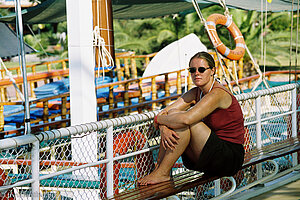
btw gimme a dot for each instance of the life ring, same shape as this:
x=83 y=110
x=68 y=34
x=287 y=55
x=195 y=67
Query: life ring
x=123 y=142
x=239 y=50
x=9 y=194
x=128 y=140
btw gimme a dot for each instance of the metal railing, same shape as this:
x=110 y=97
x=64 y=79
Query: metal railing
x=99 y=159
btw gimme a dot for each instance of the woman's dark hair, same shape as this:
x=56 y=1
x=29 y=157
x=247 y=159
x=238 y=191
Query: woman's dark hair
x=204 y=55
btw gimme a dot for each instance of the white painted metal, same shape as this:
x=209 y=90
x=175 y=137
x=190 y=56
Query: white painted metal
x=262 y=180
x=23 y=64
x=258 y=133
x=110 y=164
x=72 y=131
x=35 y=165
x=294 y=122
x=82 y=83
x=217 y=187
x=229 y=191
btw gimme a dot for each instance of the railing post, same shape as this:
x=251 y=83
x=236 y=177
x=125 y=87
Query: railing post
x=294 y=114
x=154 y=91
x=133 y=68
x=126 y=98
x=178 y=82
x=3 y=94
x=33 y=69
x=45 y=114
x=190 y=83
x=31 y=85
x=1 y=117
x=111 y=99
x=119 y=72
x=49 y=67
x=35 y=170
x=241 y=68
x=217 y=187
x=64 y=109
x=64 y=65
x=258 y=132
x=110 y=164
x=167 y=88
x=294 y=121
x=126 y=68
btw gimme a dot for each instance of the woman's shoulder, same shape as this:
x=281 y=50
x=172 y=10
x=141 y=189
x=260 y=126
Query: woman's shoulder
x=193 y=91
x=191 y=95
x=221 y=87
x=223 y=95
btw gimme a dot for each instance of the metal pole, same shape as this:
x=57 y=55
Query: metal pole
x=110 y=164
x=258 y=133
x=35 y=166
x=23 y=63
x=294 y=122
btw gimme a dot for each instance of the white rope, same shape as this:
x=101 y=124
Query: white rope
x=236 y=74
x=223 y=4
x=265 y=41
x=291 y=41
x=262 y=30
x=104 y=56
x=297 y=37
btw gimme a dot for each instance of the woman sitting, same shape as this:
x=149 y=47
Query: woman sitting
x=205 y=126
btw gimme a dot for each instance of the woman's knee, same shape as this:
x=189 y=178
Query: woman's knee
x=199 y=133
x=199 y=128
x=173 y=110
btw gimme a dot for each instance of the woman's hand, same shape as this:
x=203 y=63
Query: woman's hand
x=155 y=124
x=168 y=137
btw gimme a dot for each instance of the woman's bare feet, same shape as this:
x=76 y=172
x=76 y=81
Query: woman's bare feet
x=154 y=178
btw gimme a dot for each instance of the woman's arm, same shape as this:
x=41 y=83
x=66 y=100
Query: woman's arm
x=184 y=102
x=168 y=136
x=217 y=98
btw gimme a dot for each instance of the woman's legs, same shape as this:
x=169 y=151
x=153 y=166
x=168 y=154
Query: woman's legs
x=199 y=135
x=191 y=141
x=161 y=154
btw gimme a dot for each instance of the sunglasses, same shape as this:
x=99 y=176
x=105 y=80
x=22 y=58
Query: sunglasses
x=200 y=69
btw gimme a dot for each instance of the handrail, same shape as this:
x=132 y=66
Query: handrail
x=45 y=116
x=60 y=139
x=32 y=67
x=37 y=76
x=135 y=88
x=268 y=74
x=127 y=89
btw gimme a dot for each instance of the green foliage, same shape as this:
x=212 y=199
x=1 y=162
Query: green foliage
x=146 y=36
x=151 y=35
x=48 y=39
x=4 y=12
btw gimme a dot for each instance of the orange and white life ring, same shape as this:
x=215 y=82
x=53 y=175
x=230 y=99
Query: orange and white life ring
x=239 y=50
x=128 y=140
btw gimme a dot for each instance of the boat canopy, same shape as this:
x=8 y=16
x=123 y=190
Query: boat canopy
x=54 y=11
x=9 y=42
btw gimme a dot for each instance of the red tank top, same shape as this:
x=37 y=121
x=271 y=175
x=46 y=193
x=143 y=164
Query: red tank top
x=228 y=124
